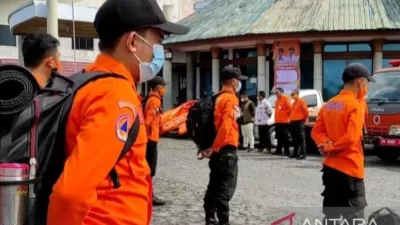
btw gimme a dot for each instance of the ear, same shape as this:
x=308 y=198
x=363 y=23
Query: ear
x=131 y=41
x=51 y=62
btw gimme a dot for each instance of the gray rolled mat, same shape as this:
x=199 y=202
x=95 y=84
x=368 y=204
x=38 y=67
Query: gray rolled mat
x=18 y=88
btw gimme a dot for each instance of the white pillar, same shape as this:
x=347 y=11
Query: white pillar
x=189 y=76
x=230 y=55
x=167 y=75
x=19 y=46
x=215 y=69
x=267 y=76
x=197 y=77
x=318 y=66
x=261 y=66
x=215 y=75
x=52 y=17
x=167 y=69
x=378 y=56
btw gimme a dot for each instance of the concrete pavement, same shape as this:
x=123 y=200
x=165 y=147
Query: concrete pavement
x=269 y=187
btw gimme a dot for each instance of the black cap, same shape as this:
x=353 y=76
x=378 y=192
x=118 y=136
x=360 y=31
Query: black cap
x=356 y=70
x=116 y=17
x=232 y=72
x=157 y=81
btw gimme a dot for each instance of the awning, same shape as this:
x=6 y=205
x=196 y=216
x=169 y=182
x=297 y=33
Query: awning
x=31 y=18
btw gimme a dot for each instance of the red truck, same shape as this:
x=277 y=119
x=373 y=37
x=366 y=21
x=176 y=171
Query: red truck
x=383 y=122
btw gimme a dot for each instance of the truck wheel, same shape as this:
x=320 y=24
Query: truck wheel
x=272 y=136
x=387 y=154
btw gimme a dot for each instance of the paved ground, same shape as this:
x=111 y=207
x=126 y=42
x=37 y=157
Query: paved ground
x=269 y=187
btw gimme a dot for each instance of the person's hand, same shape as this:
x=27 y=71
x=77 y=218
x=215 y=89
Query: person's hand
x=207 y=153
x=200 y=156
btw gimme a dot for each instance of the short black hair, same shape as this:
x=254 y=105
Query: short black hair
x=291 y=49
x=110 y=43
x=280 y=89
x=244 y=94
x=281 y=50
x=36 y=47
x=261 y=93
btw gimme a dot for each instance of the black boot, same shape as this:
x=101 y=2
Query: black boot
x=211 y=219
x=158 y=202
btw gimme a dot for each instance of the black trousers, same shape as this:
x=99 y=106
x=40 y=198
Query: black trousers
x=263 y=133
x=343 y=196
x=222 y=184
x=151 y=156
x=282 y=135
x=240 y=136
x=297 y=130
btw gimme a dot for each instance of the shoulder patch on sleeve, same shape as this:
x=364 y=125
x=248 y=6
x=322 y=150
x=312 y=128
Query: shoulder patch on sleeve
x=126 y=104
x=122 y=126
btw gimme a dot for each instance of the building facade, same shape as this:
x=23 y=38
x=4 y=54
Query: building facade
x=86 y=47
x=243 y=33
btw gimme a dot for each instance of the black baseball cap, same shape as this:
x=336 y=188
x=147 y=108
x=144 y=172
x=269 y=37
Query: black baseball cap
x=232 y=72
x=356 y=70
x=116 y=17
x=156 y=81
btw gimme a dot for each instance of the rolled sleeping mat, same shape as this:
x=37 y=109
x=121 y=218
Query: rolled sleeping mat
x=18 y=87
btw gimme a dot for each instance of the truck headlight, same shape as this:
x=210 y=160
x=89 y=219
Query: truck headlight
x=394 y=130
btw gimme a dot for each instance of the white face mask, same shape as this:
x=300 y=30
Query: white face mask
x=148 y=70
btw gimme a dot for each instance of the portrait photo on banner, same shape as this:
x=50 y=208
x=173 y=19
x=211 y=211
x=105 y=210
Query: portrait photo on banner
x=286 y=65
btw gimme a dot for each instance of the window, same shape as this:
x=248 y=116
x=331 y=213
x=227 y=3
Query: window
x=332 y=75
x=311 y=100
x=385 y=63
x=249 y=85
x=365 y=47
x=6 y=37
x=391 y=47
x=225 y=54
x=357 y=47
x=244 y=53
x=205 y=56
x=83 y=43
x=335 y=48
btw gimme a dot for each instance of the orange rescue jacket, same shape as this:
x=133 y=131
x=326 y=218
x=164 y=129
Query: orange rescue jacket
x=101 y=115
x=226 y=113
x=152 y=115
x=282 y=109
x=299 y=110
x=340 y=121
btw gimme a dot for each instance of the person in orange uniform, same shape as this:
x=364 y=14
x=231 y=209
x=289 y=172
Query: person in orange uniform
x=298 y=118
x=152 y=115
x=223 y=153
x=102 y=113
x=41 y=56
x=282 y=114
x=337 y=133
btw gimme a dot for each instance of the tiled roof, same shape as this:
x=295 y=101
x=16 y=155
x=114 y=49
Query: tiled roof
x=227 y=18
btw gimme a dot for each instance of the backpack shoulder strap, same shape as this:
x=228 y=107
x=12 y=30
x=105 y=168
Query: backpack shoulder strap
x=79 y=80
x=82 y=78
x=132 y=135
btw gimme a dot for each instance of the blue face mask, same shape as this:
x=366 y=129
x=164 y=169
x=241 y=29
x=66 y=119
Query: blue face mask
x=239 y=87
x=148 y=70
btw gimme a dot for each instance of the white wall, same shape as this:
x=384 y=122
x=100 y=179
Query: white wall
x=182 y=8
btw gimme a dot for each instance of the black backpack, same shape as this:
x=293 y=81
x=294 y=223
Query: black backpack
x=200 y=122
x=388 y=218
x=35 y=133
